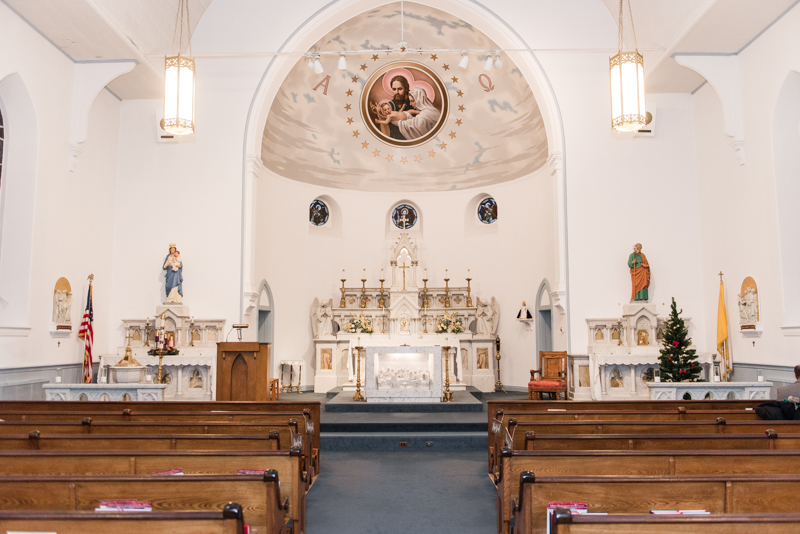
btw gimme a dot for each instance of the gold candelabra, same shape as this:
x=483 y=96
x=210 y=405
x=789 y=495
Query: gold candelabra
x=381 y=302
x=425 y=303
x=448 y=395
x=358 y=396
x=446 y=293
x=498 y=386
x=161 y=353
x=342 y=303
x=363 y=293
x=469 y=298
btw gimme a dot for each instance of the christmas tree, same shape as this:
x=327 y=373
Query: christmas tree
x=678 y=362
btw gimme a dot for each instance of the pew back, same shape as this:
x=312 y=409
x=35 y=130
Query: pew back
x=565 y=523
x=164 y=442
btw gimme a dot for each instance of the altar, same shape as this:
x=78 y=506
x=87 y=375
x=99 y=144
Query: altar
x=188 y=375
x=407 y=313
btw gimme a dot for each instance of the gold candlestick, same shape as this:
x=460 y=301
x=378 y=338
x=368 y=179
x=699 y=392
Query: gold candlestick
x=448 y=395
x=363 y=293
x=498 y=386
x=381 y=302
x=342 y=303
x=146 y=332
x=161 y=353
x=424 y=324
x=425 y=303
x=358 y=396
x=469 y=298
x=446 y=293
x=191 y=332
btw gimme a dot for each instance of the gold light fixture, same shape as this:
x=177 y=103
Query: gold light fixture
x=179 y=80
x=627 y=84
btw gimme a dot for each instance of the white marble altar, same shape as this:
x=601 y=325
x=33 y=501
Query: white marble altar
x=710 y=390
x=403 y=374
x=405 y=314
x=104 y=392
x=623 y=356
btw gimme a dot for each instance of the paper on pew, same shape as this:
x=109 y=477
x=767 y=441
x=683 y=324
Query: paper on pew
x=170 y=472
x=574 y=507
x=124 y=505
x=680 y=512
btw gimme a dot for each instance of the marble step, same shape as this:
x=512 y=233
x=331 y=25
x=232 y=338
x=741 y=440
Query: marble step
x=393 y=441
x=403 y=426
x=464 y=401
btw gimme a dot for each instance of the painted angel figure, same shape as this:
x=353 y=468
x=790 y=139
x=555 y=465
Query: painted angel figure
x=322 y=318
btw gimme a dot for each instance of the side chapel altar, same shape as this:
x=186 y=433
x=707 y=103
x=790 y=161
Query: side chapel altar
x=402 y=319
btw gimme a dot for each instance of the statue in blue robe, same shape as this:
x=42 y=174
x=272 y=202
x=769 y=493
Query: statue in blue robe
x=173 y=276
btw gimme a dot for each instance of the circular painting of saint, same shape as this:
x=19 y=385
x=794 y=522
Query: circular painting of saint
x=404 y=103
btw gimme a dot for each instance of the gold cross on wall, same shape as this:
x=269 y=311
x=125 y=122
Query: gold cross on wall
x=404 y=267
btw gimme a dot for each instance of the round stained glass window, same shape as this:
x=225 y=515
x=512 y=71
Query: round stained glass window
x=487 y=211
x=318 y=213
x=404 y=216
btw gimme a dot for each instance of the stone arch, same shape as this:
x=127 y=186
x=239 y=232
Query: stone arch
x=17 y=204
x=786 y=157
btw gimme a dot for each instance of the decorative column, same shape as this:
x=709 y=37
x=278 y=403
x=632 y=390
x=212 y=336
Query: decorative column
x=253 y=169
x=559 y=288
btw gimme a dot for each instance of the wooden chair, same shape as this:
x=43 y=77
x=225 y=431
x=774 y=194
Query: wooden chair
x=552 y=376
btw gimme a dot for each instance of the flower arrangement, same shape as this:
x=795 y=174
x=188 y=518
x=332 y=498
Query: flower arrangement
x=358 y=323
x=449 y=322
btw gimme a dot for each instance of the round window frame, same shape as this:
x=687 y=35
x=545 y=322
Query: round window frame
x=327 y=213
x=480 y=205
x=399 y=207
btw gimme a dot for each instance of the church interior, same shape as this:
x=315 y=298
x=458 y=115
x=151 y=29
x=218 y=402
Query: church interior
x=454 y=266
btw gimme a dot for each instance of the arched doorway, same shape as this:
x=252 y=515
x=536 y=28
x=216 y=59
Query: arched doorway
x=266 y=315
x=544 y=318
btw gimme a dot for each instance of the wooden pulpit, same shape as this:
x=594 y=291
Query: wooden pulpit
x=243 y=371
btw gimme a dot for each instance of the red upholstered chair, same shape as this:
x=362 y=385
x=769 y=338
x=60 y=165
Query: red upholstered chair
x=552 y=376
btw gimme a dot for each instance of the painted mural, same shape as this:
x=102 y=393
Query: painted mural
x=404 y=121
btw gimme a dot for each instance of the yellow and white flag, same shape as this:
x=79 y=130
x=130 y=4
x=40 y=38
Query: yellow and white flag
x=722 y=334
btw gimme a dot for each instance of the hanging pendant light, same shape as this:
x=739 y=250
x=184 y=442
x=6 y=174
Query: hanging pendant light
x=627 y=84
x=342 y=63
x=488 y=65
x=179 y=81
x=464 y=60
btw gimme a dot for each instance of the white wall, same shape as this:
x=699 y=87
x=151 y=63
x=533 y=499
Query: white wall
x=740 y=232
x=73 y=217
x=507 y=260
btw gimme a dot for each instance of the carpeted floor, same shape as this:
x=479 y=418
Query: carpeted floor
x=402 y=492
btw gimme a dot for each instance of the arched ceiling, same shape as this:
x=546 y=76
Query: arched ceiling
x=480 y=128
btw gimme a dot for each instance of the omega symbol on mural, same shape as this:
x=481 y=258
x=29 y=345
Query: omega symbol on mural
x=404 y=104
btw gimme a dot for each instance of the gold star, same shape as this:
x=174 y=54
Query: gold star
x=349 y=92
x=374 y=57
x=461 y=108
x=443 y=145
x=404 y=160
x=452 y=135
x=460 y=93
x=376 y=153
x=364 y=144
x=431 y=154
x=458 y=122
x=349 y=120
x=433 y=57
x=389 y=158
x=347 y=107
x=355 y=79
x=455 y=80
x=355 y=133
x=446 y=66
x=418 y=158
x=363 y=67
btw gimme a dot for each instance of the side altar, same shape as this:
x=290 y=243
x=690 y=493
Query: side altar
x=404 y=313
x=188 y=375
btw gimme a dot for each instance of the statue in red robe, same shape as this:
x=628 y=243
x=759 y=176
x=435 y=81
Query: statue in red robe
x=640 y=274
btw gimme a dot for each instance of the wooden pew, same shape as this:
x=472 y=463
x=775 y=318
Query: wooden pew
x=291 y=433
x=230 y=520
x=135 y=462
x=639 y=463
x=565 y=523
x=263 y=498
x=188 y=407
x=163 y=442
x=732 y=494
x=616 y=442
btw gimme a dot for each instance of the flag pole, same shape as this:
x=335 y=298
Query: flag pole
x=88 y=300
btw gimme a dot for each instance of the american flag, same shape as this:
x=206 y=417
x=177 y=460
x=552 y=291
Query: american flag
x=86 y=333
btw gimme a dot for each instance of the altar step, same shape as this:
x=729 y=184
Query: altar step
x=398 y=441
x=463 y=401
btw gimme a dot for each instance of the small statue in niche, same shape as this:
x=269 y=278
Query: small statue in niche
x=62 y=302
x=196 y=381
x=598 y=335
x=616 y=379
x=640 y=274
x=173 y=278
x=748 y=302
x=524 y=313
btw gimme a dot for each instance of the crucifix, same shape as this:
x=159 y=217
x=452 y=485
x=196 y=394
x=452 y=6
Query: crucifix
x=404 y=267
x=404 y=221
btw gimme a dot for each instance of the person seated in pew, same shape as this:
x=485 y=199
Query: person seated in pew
x=792 y=390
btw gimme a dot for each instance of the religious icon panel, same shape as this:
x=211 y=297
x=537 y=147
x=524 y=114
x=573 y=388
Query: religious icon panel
x=318 y=213
x=487 y=211
x=404 y=216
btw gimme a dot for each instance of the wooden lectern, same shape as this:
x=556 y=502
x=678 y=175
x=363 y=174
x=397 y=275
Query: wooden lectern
x=243 y=371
